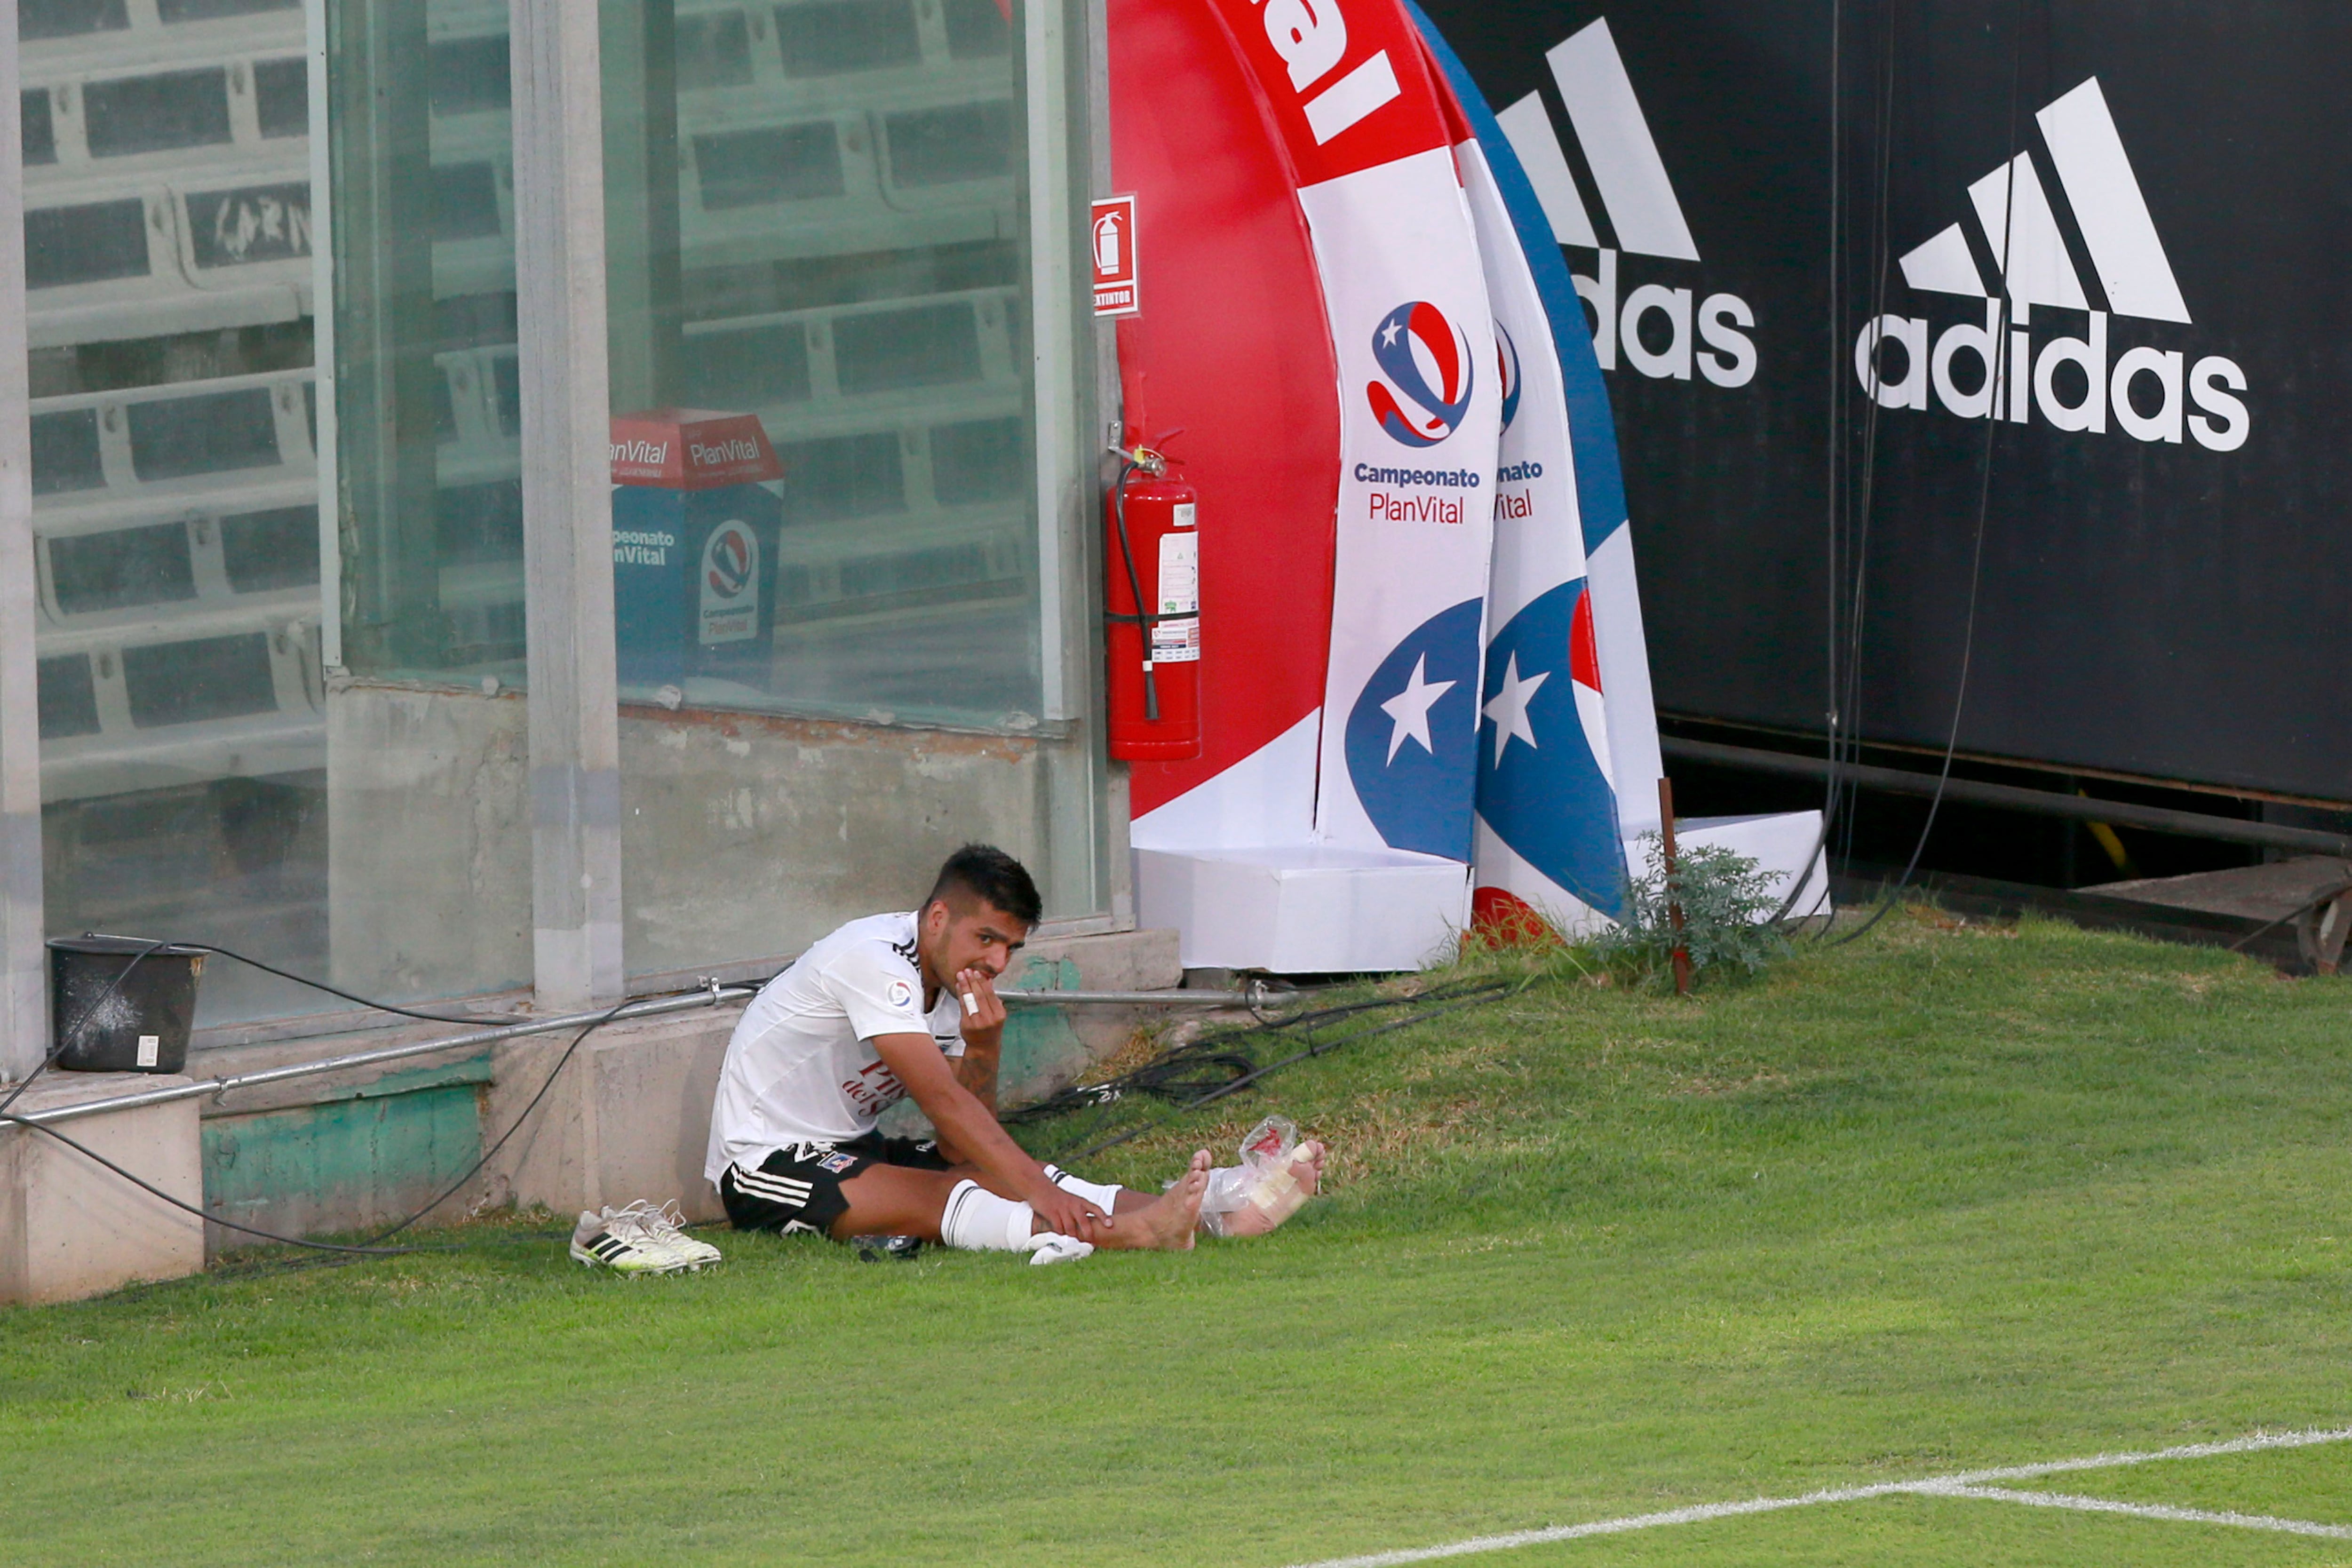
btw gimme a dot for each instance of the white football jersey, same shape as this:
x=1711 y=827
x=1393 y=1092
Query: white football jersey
x=801 y=1068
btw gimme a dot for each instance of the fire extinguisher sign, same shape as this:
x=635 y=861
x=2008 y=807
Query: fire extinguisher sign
x=1113 y=238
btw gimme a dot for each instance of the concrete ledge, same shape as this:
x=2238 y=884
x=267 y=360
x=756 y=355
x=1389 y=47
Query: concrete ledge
x=1119 y=960
x=227 y=1061
x=1047 y=1049
x=70 y=1227
x=629 y=1117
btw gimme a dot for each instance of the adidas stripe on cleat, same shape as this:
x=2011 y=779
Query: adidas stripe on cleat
x=638 y=1239
x=594 y=1243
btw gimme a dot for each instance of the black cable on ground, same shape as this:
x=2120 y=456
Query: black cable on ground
x=66 y=1037
x=1190 y=1076
x=1210 y=1064
x=524 y=1115
x=1493 y=991
x=149 y=1187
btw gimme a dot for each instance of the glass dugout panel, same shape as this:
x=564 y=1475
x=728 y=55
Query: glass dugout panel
x=430 y=417
x=429 y=746
x=197 y=780
x=818 y=218
x=168 y=265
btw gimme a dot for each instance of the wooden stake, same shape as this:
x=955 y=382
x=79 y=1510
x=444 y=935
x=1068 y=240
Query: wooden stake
x=1673 y=904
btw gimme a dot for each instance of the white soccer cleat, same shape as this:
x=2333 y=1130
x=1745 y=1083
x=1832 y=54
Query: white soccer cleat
x=666 y=1227
x=638 y=1239
x=617 y=1241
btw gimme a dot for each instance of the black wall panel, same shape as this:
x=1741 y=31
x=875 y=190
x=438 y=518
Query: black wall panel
x=2151 y=605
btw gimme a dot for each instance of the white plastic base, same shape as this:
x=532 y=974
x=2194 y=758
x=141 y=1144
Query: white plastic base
x=1304 y=908
x=1780 y=844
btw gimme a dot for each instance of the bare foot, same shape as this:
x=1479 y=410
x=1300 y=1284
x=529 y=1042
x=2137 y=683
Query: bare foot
x=1166 y=1223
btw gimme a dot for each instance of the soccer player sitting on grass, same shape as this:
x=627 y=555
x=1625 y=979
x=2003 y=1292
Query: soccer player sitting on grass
x=906 y=1004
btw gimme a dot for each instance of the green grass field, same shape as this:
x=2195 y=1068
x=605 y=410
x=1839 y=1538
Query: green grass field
x=1951 y=1197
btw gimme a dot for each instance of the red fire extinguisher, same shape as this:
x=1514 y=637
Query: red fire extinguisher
x=1153 y=602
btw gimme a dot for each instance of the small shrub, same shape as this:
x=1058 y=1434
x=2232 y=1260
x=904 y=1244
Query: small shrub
x=1726 y=906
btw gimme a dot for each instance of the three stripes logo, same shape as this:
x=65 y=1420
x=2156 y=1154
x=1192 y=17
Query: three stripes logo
x=1663 y=334
x=2015 y=256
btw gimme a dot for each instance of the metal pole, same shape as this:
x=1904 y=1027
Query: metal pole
x=224 y=1084
x=567 y=501
x=1673 y=896
x=1053 y=286
x=1899 y=781
x=654 y=1008
x=322 y=337
x=24 y=997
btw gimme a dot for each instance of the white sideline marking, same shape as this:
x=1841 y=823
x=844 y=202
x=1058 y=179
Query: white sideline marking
x=2151 y=1510
x=1953 y=1484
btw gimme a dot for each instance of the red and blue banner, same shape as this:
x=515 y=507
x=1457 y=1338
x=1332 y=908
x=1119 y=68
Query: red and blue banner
x=1381 y=403
x=1548 y=843
x=1366 y=129
x=1612 y=593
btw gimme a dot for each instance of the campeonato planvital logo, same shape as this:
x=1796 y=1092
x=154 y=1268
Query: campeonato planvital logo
x=1662 y=332
x=2080 y=384
x=731 y=559
x=1426 y=381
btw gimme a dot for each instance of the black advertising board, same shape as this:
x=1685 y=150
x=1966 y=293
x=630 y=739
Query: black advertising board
x=2165 y=186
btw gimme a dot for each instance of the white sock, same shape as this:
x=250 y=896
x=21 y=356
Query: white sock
x=978 y=1221
x=1097 y=1193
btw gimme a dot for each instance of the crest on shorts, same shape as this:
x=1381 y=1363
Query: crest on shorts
x=838 y=1164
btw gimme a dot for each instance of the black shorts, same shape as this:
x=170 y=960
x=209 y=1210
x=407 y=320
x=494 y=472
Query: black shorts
x=799 y=1189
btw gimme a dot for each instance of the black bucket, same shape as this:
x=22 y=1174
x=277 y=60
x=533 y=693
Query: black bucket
x=119 y=1007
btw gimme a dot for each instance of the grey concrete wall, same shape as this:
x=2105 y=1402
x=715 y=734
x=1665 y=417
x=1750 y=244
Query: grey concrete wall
x=627 y=1119
x=743 y=836
x=428 y=840
x=70 y=1227
x=746 y=836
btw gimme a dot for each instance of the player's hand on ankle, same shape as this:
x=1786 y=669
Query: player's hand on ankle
x=1067 y=1213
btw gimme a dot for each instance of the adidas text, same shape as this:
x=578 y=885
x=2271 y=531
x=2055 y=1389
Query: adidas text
x=1660 y=327
x=2079 y=383
x=2008 y=255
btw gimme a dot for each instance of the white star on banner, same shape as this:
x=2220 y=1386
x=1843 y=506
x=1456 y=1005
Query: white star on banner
x=1389 y=331
x=1508 y=708
x=1410 y=708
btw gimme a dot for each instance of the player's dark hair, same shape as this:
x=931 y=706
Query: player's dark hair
x=983 y=871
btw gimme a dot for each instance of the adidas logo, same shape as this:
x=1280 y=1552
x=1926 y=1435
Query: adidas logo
x=1656 y=323
x=2018 y=243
